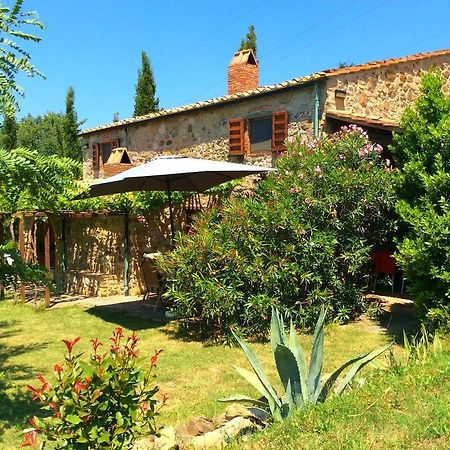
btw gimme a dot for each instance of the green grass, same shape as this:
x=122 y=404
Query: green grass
x=194 y=375
x=406 y=408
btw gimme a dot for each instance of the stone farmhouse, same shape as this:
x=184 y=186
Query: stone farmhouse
x=252 y=122
x=101 y=254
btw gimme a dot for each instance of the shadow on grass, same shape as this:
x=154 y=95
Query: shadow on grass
x=131 y=315
x=398 y=318
x=16 y=405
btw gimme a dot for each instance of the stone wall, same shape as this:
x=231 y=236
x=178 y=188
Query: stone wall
x=383 y=92
x=202 y=133
x=95 y=250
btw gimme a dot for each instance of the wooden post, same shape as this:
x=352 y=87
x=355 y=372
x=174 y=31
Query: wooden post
x=22 y=251
x=47 y=257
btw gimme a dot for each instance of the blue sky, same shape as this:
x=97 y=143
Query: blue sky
x=95 y=45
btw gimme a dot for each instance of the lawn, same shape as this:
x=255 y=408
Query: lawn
x=193 y=374
x=406 y=408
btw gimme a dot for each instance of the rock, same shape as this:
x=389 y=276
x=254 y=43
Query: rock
x=197 y=425
x=166 y=440
x=237 y=426
x=236 y=410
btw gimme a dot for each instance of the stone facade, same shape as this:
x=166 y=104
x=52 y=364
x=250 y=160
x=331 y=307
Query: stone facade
x=381 y=92
x=201 y=133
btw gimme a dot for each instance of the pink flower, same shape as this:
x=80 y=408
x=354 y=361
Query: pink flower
x=342 y=157
x=388 y=162
x=318 y=171
x=378 y=148
x=294 y=190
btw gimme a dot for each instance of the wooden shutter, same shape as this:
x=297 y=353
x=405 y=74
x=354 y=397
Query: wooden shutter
x=279 y=130
x=114 y=144
x=96 y=157
x=237 y=130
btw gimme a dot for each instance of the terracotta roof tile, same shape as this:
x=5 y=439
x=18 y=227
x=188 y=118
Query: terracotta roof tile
x=271 y=88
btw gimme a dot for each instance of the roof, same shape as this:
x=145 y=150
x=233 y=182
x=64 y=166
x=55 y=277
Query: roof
x=261 y=90
x=364 y=121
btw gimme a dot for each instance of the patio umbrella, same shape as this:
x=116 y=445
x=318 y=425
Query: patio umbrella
x=173 y=173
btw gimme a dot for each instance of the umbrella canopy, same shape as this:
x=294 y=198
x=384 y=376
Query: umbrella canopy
x=173 y=173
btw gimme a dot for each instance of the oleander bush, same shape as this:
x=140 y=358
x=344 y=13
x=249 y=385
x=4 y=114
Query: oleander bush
x=300 y=242
x=105 y=402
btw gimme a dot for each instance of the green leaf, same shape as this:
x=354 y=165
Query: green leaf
x=288 y=371
x=277 y=334
x=119 y=418
x=87 y=368
x=75 y=420
x=357 y=367
x=316 y=363
x=299 y=354
x=268 y=390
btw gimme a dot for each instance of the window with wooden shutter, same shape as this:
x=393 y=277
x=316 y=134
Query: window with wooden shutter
x=279 y=130
x=95 y=156
x=106 y=148
x=236 y=137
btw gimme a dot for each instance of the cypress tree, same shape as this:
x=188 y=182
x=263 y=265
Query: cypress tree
x=249 y=41
x=145 y=101
x=9 y=132
x=71 y=143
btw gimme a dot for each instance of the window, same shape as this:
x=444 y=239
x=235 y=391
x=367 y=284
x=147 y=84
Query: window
x=260 y=134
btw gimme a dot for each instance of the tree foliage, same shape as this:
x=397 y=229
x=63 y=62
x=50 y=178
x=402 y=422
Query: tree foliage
x=13 y=58
x=422 y=152
x=302 y=241
x=145 y=100
x=30 y=180
x=249 y=41
x=71 y=142
x=8 y=136
x=45 y=134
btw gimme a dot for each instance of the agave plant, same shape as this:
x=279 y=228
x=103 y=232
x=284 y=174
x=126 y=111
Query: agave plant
x=303 y=386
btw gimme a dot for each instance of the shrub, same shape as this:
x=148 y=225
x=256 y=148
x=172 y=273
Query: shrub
x=301 y=241
x=105 y=402
x=422 y=152
x=303 y=386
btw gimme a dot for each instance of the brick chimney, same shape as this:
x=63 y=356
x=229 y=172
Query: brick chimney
x=243 y=72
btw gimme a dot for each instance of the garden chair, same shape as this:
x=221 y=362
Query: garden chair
x=384 y=262
x=153 y=280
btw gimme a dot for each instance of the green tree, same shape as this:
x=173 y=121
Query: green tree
x=13 y=59
x=45 y=134
x=249 y=41
x=9 y=132
x=422 y=152
x=72 y=144
x=145 y=101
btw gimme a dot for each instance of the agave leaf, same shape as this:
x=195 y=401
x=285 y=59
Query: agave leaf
x=277 y=335
x=287 y=398
x=335 y=375
x=269 y=392
x=244 y=399
x=358 y=366
x=288 y=371
x=299 y=354
x=316 y=363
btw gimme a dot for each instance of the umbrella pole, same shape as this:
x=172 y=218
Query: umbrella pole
x=172 y=226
